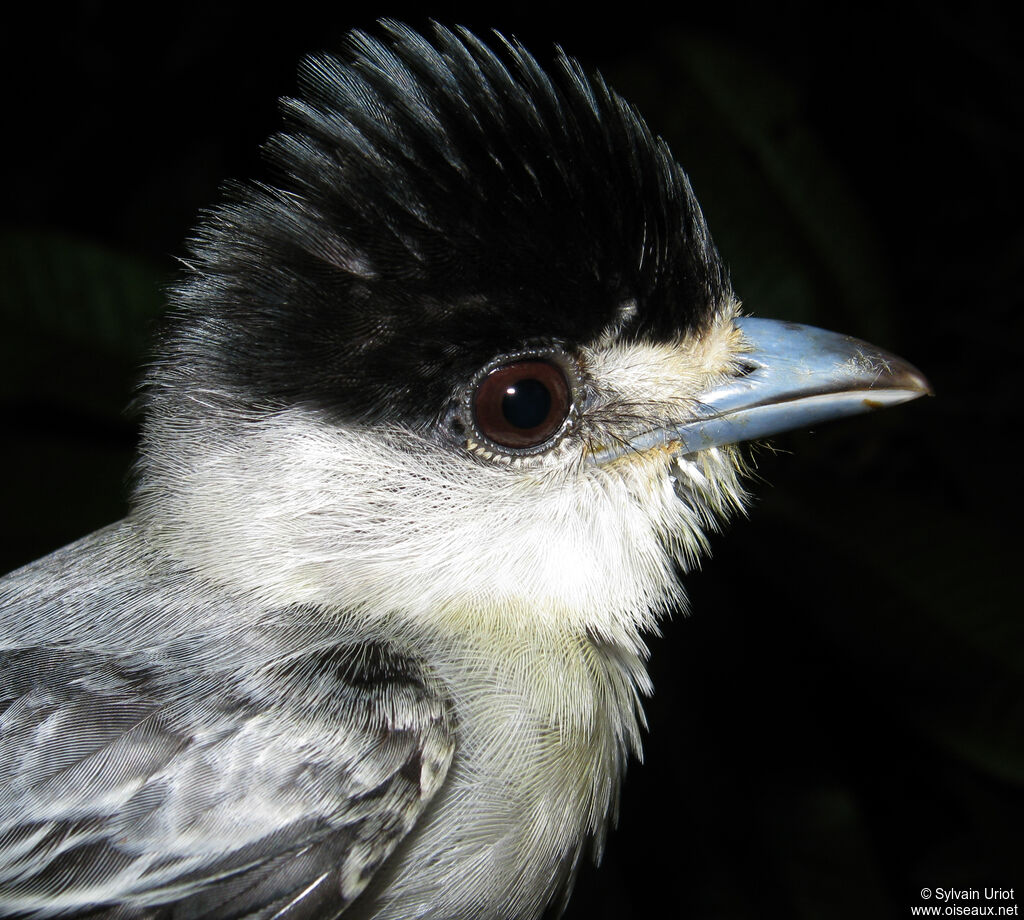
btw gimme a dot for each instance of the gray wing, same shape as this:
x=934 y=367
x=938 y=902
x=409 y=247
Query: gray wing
x=155 y=775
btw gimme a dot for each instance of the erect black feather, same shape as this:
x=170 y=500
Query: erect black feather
x=436 y=202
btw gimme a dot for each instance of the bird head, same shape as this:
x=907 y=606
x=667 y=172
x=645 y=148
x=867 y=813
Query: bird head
x=469 y=356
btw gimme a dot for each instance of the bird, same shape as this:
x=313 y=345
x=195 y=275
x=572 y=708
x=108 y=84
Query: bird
x=443 y=408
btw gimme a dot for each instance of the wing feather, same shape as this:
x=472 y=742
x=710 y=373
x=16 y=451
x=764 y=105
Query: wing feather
x=208 y=771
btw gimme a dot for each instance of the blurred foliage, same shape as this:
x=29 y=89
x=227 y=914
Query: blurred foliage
x=840 y=721
x=76 y=321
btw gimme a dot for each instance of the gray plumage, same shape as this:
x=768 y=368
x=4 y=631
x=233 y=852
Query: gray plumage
x=141 y=758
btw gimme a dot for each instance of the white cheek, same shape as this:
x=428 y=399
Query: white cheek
x=297 y=512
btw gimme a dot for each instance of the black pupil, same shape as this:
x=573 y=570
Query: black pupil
x=526 y=403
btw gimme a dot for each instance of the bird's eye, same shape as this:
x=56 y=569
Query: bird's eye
x=522 y=405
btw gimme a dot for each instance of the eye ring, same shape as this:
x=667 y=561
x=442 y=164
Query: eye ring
x=523 y=403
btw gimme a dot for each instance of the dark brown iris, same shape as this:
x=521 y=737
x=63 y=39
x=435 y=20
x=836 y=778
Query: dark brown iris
x=522 y=405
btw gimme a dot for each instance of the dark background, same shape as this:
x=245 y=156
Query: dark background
x=838 y=724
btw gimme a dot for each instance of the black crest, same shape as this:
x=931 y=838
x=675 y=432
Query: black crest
x=435 y=202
